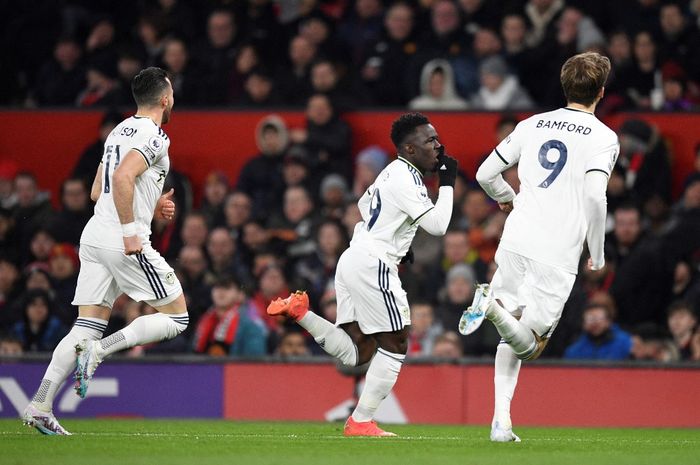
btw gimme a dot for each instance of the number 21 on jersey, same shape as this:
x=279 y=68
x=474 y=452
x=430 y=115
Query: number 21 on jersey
x=109 y=151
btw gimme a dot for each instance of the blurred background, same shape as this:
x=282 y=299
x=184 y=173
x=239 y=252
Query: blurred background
x=281 y=120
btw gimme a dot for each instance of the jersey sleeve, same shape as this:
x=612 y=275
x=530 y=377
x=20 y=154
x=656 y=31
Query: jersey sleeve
x=509 y=149
x=151 y=144
x=604 y=158
x=412 y=198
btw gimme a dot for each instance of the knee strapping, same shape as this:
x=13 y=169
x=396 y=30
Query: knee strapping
x=181 y=320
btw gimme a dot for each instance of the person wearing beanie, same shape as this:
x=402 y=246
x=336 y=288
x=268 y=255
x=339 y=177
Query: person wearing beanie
x=500 y=89
x=368 y=163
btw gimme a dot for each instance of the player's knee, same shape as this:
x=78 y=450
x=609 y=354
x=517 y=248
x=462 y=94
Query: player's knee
x=180 y=323
x=535 y=352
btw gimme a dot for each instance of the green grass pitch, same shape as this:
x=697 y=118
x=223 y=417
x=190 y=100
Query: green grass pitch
x=174 y=442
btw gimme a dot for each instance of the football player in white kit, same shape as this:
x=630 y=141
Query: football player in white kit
x=115 y=251
x=373 y=313
x=564 y=159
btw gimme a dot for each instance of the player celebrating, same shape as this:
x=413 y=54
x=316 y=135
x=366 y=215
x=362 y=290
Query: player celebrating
x=115 y=252
x=373 y=312
x=565 y=158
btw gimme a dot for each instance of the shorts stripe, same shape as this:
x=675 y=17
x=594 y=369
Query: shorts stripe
x=157 y=278
x=392 y=301
x=389 y=298
x=156 y=291
x=381 y=288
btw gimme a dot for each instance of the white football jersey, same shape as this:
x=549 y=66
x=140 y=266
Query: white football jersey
x=397 y=200
x=554 y=150
x=144 y=136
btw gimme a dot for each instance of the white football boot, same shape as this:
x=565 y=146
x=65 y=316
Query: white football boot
x=501 y=434
x=44 y=422
x=87 y=362
x=474 y=315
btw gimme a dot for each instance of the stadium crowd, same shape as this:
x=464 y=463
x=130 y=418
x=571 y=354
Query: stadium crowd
x=283 y=222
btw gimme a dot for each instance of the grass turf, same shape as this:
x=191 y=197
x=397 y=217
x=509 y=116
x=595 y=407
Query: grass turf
x=173 y=442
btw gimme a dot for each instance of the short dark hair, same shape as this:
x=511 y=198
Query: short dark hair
x=148 y=86
x=405 y=125
x=680 y=306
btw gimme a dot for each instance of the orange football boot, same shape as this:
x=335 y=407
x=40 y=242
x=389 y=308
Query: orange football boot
x=364 y=428
x=295 y=306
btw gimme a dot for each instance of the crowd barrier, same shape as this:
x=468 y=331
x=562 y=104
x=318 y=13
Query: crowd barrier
x=48 y=143
x=549 y=394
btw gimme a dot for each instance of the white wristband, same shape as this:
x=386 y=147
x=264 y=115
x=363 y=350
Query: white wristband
x=129 y=229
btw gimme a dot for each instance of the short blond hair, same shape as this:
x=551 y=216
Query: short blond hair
x=582 y=77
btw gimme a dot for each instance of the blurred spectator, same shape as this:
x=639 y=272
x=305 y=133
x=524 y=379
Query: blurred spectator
x=272 y=284
x=231 y=326
x=650 y=343
x=151 y=33
x=319 y=30
x=499 y=89
x=292 y=344
x=484 y=224
x=361 y=26
x=36 y=276
x=295 y=225
x=183 y=75
x=237 y=211
x=260 y=90
x=479 y=14
x=386 y=60
x=8 y=239
x=326 y=136
x=61 y=79
x=128 y=66
x=100 y=48
x=39 y=330
x=543 y=16
x=438 y=91
x=224 y=258
x=9 y=291
x=683 y=326
x=194 y=230
x=424 y=330
x=102 y=88
x=216 y=55
x=456 y=249
x=33 y=209
x=675 y=89
x=295 y=82
x=680 y=39
x=89 y=161
x=8 y=171
x=196 y=280
x=316 y=271
x=456 y=295
x=515 y=51
x=216 y=187
x=447 y=346
x=297 y=171
x=601 y=339
x=641 y=81
x=343 y=92
x=645 y=161
x=247 y=60
x=351 y=218
x=10 y=346
x=261 y=175
x=77 y=209
x=40 y=246
x=64 y=265
x=333 y=194
x=369 y=162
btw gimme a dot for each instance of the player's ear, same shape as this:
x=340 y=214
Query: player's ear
x=409 y=149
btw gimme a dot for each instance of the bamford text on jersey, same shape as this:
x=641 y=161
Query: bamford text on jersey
x=564 y=126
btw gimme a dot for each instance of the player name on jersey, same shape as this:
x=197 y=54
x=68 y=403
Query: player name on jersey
x=563 y=126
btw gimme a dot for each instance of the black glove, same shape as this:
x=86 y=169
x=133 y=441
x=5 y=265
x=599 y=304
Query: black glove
x=408 y=258
x=446 y=168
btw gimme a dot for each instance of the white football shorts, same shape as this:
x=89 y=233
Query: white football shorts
x=105 y=274
x=369 y=291
x=531 y=290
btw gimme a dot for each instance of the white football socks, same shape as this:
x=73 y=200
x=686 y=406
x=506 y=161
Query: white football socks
x=144 y=330
x=519 y=336
x=507 y=367
x=63 y=359
x=380 y=379
x=332 y=339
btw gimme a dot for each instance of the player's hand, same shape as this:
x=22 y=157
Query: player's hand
x=506 y=206
x=446 y=168
x=595 y=267
x=132 y=245
x=165 y=207
x=408 y=258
